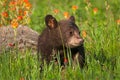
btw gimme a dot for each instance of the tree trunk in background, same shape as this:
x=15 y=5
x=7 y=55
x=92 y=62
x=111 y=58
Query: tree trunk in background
x=21 y=38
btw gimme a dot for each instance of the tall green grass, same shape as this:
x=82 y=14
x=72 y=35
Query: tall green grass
x=102 y=43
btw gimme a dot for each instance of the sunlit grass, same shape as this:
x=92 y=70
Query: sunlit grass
x=100 y=27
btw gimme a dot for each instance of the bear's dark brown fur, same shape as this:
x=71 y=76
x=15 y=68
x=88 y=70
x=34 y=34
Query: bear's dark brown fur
x=58 y=37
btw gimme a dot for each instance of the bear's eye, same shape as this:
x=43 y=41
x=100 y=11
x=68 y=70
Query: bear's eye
x=71 y=33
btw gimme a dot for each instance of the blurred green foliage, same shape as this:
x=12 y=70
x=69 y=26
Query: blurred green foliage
x=100 y=19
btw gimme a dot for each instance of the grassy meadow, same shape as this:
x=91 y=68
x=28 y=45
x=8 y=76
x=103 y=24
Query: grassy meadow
x=99 y=23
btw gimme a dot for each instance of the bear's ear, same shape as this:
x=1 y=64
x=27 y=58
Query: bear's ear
x=72 y=18
x=50 y=21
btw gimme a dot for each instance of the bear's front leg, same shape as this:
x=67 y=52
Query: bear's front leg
x=79 y=57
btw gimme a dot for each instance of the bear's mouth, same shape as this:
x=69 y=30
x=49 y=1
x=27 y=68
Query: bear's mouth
x=73 y=45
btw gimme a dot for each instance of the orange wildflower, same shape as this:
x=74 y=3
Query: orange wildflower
x=19 y=17
x=22 y=78
x=74 y=7
x=65 y=60
x=66 y=15
x=13 y=3
x=25 y=13
x=118 y=21
x=56 y=11
x=28 y=5
x=11 y=44
x=14 y=23
x=5 y=14
x=26 y=1
x=84 y=34
x=95 y=10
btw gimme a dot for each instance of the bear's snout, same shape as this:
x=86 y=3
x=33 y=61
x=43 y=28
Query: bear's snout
x=81 y=41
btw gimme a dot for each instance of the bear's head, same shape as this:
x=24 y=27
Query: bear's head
x=65 y=30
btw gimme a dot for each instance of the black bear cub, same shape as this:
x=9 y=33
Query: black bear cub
x=59 y=37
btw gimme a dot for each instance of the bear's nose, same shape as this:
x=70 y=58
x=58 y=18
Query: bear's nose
x=81 y=40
